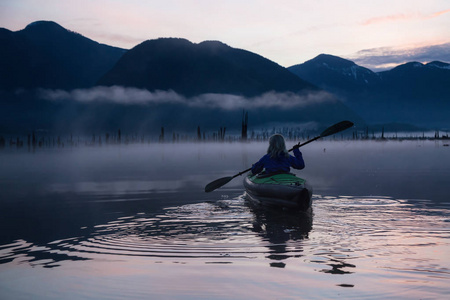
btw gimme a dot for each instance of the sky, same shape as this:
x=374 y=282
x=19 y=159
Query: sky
x=377 y=34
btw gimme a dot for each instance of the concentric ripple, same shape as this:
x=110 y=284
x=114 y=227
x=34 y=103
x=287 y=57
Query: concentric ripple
x=350 y=235
x=221 y=232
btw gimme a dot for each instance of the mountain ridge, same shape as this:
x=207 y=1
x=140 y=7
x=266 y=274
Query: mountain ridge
x=46 y=55
x=413 y=92
x=210 y=69
x=207 y=67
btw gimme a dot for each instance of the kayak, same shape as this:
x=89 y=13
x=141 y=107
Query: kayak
x=285 y=190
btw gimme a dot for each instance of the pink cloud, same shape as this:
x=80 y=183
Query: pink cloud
x=391 y=18
x=439 y=13
x=404 y=17
x=380 y=59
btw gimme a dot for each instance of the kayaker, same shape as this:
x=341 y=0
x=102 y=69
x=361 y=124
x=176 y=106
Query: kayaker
x=278 y=160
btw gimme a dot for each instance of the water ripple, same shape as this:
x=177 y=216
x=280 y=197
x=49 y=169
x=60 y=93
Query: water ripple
x=350 y=235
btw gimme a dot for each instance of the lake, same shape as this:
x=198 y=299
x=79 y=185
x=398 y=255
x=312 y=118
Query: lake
x=133 y=222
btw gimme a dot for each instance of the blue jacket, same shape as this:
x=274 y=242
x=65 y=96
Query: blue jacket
x=281 y=164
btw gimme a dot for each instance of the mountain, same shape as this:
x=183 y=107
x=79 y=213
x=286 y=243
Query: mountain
x=208 y=67
x=206 y=84
x=335 y=74
x=413 y=93
x=46 y=55
x=418 y=81
x=212 y=67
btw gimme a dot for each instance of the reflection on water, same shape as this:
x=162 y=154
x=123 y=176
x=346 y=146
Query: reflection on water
x=363 y=239
x=103 y=225
x=218 y=232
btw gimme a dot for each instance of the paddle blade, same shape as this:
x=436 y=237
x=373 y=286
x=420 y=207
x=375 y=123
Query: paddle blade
x=217 y=184
x=338 y=127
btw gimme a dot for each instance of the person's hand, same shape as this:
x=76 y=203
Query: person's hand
x=296 y=146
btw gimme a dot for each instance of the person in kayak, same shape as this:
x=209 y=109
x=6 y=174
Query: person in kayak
x=277 y=160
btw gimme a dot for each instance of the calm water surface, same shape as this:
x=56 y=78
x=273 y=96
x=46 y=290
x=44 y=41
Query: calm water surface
x=132 y=222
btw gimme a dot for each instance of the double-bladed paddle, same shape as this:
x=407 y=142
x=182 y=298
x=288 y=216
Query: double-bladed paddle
x=338 y=127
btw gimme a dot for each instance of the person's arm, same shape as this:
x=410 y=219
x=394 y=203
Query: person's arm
x=297 y=161
x=258 y=167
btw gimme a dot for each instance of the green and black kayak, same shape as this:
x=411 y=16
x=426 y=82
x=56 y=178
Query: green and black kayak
x=286 y=190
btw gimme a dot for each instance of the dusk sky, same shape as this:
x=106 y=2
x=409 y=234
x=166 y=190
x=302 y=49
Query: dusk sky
x=375 y=34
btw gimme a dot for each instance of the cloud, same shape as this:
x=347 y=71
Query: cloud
x=439 y=13
x=135 y=96
x=390 y=18
x=379 y=59
x=114 y=94
x=404 y=17
x=268 y=100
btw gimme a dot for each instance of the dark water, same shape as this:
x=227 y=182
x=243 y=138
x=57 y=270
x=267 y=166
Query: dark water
x=133 y=223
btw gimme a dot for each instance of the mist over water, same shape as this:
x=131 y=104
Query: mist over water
x=133 y=221
x=408 y=169
x=129 y=96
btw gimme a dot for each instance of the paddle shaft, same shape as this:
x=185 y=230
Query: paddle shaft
x=299 y=145
x=338 y=127
x=307 y=142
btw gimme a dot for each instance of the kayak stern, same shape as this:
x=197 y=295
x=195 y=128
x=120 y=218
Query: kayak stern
x=285 y=190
